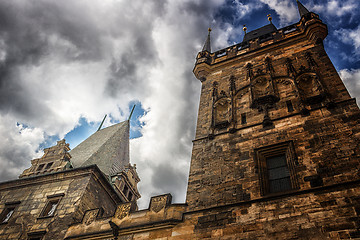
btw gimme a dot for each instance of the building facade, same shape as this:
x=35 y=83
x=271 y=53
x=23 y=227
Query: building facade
x=276 y=156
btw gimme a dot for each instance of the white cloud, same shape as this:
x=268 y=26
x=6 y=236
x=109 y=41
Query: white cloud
x=350 y=36
x=18 y=143
x=336 y=7
x=286 y=10
x=58 y=65
x=351 y=79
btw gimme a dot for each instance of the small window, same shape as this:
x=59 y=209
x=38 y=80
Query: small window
x=36 y=235
x=289 y=106
x=278 y=174
x=51 y=205
x=126 y=190
x=7 y=213
x=49 y=165
x=243 y=118
x=276 y=168
x=41 y=166
x=130 y=196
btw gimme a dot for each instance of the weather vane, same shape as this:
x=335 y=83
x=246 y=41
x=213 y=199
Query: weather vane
x=269 y=18
x=244 y=28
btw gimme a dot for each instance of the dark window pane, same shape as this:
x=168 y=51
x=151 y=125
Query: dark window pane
x=243 y=118
x=49 y=165
x=289 y=106
x=275 y=162
x=277 y=173
x=41 y=166
x=279 y=185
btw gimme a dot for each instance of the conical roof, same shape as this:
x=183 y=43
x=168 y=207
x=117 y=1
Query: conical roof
x=207 y=45
x=108 y=148
x=302 y=10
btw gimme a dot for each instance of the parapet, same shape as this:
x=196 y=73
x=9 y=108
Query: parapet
x=161 y=214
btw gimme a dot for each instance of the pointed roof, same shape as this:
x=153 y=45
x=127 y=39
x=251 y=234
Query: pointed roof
x=302 y=10
x=207 y=45
x=108 y=148
x=270 y=28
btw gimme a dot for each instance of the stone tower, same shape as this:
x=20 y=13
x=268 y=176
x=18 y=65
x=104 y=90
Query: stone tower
x=275 y=121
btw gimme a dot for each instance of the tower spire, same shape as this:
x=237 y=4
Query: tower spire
x=207 y=45
x=302 y=10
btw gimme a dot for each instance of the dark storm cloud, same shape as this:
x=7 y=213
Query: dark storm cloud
x=168 y=179
x=25 y=30
x=124 y=75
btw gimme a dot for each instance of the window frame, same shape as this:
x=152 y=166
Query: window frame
x=36 y=235
x=261 y=156
x=48 y=206
x=9 y=206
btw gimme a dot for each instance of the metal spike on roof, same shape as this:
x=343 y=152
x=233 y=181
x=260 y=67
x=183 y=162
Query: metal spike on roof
x=302 y=10
x=207 y=45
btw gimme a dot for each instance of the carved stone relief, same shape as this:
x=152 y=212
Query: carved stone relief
x=158 y=203
x=262 y=92
x=309 y=87
x=222 y=112
x=123 y=210
x=90 y=216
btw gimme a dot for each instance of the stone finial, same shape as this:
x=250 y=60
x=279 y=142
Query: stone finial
x=269 y=18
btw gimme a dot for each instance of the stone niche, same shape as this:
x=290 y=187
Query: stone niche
x=262 y=91
x=222 y=111
x=310 y=88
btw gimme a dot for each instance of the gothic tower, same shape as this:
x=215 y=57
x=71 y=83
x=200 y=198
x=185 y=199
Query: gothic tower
x=275 y=121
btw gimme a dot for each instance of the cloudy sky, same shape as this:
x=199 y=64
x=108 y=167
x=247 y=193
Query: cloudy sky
x=65 y=64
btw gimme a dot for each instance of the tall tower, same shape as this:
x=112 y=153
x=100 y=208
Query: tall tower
x=275 y=121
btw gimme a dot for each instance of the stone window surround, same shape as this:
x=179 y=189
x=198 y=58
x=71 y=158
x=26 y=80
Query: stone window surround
x=9 y=206
x=56 y=198
x=286 y=148
x=36 y=235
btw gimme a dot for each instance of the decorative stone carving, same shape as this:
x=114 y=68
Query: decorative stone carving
x=232 y=85
x=90 y=216
x=159 y=202
x=310 y=60
x=123 y=210
x=269 y=66
x=261 y=87
x=262 y=91
x=310 y=88
x=249 y=68
x=290 y=67
x=222 y=112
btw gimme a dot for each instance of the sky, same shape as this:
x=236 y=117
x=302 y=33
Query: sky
x=65 y=64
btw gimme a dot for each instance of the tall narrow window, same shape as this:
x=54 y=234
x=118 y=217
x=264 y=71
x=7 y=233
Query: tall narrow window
x=243 y=118
x=125 y=190
x=278 y=174
x=130 y=196
x=289 y=106
x=276 y=166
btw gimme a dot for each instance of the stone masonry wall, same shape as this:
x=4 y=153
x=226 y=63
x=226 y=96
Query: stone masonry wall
x=79 y=193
